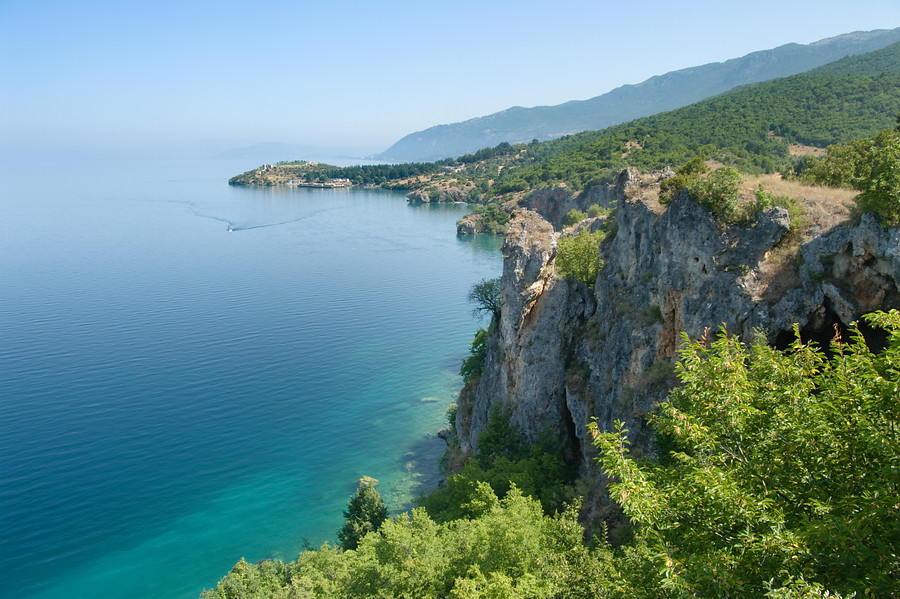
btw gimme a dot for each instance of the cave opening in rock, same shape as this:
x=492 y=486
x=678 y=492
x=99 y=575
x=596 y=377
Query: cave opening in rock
x=822 y=330
x=571 y=444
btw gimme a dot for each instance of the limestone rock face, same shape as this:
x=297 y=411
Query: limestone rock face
x=468 y=225
x=445 y=194
x=563 y=353
x=554 y=203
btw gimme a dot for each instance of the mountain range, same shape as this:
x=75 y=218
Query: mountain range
x=657 y=94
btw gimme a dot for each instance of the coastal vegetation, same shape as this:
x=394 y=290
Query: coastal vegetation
x=766 y=127
x=773 y=472
x=365 y=513
x=776 y=476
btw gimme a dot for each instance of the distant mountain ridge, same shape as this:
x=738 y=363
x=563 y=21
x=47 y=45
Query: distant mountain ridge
x=657 y=94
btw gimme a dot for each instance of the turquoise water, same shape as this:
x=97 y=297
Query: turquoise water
x=174 y=396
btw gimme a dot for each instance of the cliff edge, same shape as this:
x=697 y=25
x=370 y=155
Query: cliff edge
x=563 y=353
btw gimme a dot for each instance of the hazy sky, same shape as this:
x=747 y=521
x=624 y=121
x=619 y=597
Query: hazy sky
x=128 y=73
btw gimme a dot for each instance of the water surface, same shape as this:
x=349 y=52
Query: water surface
x=174 y=396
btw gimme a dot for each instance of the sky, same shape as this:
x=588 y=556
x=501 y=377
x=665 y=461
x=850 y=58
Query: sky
x=347 y=74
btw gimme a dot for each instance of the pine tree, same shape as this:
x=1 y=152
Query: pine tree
x=365 y=513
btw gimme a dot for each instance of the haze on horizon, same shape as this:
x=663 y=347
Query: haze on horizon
x=352 y=75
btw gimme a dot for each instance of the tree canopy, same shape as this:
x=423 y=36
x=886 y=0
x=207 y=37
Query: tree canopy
x=485 y=295
x=365 y=513
x=778 y=473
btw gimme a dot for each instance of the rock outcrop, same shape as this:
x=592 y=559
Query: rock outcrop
x=562 y=353
x=468 y=225
x=438 y=195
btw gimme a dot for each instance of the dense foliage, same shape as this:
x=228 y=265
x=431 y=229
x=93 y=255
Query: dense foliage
x=578 y=256
x=776 y=469
x=750 y=128
x=686 y=175
x=505 y=460
x=473 y=365
x=777 y=475
x=508 y=548
x=870 y=165
x=365 y=513
x=720 y=192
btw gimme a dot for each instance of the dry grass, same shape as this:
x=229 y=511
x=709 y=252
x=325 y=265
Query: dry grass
x=646 y=191
x=799 y=150
x=826 y=207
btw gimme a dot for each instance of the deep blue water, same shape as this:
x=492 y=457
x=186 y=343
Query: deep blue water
x=174 y=396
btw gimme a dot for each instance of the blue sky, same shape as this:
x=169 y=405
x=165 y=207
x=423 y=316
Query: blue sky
x=129 y=74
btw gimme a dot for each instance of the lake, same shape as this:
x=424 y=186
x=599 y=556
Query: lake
x=175 y=396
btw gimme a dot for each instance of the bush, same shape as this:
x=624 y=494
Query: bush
x=505 y=460
x=578 y=257
x=365 y=513
x=870 y=165
x=881 y=188
x=766 y=200
x=686 y=175
x=574 y=217
x=720 y=192
x=776 y=467
x=473 y=366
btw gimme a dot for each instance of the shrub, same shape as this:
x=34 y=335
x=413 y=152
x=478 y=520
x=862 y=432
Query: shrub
x=720 y=192
x=766 y=200
x=776 y=466
x=574 y=217
x=505 y=460
x=473 y=366
x=881 y=188
x=578 y=257
x=686 y=175
x=595 y=210
x=870 y=165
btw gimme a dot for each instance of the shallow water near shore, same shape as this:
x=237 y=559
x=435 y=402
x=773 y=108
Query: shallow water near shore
x=175 y=396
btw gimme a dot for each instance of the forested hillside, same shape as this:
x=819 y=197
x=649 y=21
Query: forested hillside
x=764 y=471
x=657 y=94
x=752 y=128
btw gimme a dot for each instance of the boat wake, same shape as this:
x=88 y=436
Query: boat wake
x=232 y=226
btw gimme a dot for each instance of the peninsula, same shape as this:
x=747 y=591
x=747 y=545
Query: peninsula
x=692 y=361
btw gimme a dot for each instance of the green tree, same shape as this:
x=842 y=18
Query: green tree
x=777 y=475
x=486 y=296
x=473 y=366
x=365 y=513
x=880 y=190
x=720 y=192
x=574 y=217
x=578 y=257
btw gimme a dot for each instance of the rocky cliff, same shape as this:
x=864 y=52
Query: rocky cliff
x=563 y=353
